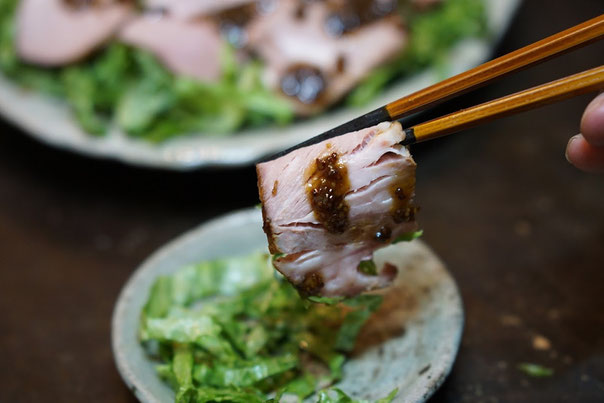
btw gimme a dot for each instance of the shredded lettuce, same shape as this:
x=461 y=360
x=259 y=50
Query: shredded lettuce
x=227 y=330
x=129 y=88
x=326 y=300
x=535 y=370
x=244 y=373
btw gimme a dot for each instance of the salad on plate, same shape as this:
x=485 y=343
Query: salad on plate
x=156 y=69
x=229 y=330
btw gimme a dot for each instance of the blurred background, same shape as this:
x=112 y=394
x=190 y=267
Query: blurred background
x=520 y=229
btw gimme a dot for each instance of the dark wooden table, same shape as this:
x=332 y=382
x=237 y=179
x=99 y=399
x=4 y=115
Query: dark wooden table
x=521 y=230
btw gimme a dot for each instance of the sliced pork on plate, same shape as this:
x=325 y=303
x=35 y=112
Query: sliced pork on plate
x=329 y=206
x=317 y=51
x=58 y=32
x=188 y=48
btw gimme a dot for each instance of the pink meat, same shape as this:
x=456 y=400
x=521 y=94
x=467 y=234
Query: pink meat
x=188 y=48
x=190 y=9
x=323 y=262
x=288 y=37
x=53 y=33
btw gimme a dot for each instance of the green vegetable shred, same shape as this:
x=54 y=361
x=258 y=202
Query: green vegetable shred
x=535 y=370
x=228 y=330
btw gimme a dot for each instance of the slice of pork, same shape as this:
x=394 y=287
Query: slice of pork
x=310 y=61
x=329 y=206
x=58 y=32
x=187 y=48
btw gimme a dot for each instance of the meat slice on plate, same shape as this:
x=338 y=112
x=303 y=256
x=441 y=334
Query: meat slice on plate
x=188 y=48
x=58 y=32
x=329 y=206
x=317 y=51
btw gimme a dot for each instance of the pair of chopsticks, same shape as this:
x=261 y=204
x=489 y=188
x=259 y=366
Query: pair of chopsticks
x=581 y=83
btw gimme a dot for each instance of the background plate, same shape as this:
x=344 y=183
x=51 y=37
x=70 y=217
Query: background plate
x=49 y=119
x=409 y=344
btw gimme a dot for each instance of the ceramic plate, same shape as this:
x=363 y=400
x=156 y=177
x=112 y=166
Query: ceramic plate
x=410 y=343
x=50 y=120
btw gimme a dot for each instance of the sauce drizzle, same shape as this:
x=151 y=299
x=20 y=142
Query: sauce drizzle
x=84 y=4
x=347 y=17
x=311 y=285
x=233 y=22
x=327 y=186
x=403 y=206
x=303 y=82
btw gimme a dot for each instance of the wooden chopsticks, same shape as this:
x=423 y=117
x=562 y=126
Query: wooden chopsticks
x=572 y=38
x=567 y=40
x=581 y=83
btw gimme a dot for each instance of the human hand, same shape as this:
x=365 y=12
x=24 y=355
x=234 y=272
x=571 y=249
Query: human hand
x=586 y=150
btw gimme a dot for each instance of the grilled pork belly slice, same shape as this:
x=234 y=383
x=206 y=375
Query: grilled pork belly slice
x=58 y=32
x=314 y=55
x=188 y=48
x=329 y=206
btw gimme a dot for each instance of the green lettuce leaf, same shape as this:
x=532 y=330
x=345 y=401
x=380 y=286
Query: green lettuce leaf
x=181 y=330
x=354 y=321
x=232 y=395
x=302 y=387
x=244 y=373
x=408 y=236
x=535 y=370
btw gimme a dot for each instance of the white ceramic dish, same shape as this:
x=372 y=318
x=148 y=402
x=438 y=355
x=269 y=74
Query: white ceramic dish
x=411 y=343
x=50 y=120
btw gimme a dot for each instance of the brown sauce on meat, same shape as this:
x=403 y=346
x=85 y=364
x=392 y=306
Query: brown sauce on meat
x=268 y=230
x=303 y=82
x=266 y=222
x=341 y=64
x=345 y=17
x=327 y=185
x=233 y=22
x=403 y=206
x=311 y=285
x=383 y=234
x=84 y=4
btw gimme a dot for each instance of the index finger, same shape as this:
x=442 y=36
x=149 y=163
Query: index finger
x=592 y=123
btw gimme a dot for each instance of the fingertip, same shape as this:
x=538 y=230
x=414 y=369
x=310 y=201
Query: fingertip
x=585 y=156
x=571 y=150
x=592 y=122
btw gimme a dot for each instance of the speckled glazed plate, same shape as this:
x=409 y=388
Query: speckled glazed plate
x=411 y=342
x=50 y=120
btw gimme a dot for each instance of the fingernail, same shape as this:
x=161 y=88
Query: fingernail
x=573 y=138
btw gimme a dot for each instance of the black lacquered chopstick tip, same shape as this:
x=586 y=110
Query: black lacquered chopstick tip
x=367 y=120
x=409 y=137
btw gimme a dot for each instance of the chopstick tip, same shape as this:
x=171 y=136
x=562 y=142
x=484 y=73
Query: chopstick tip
x=409 y=137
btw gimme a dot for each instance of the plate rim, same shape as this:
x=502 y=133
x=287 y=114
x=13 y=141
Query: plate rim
x=244 y=216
